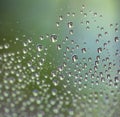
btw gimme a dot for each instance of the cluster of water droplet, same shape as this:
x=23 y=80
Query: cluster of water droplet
x=62 y=75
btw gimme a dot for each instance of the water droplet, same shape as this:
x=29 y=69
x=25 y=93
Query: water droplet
x=99 y=50
x=39 y=47
x=25 y=44
x=101 y=16
x=54 y=92
x=83 y=6
x=74 y=58
x=73 y=14
x=116 y=39
x=97 y=40
x=99 y=35
x=87 y=22
x=1 y=47
x=106 y=33
x=81 y=11
x=35 y=92
x=29 y=40
x=57 y=24
x=55 y=82
x=71 y=32
x=61 y=18
x=6 y=46
x=111 y=25
x=83 y=50
x=59 y=47
x=95 y=14
x=41 y=38
x=116 y=29
x=70 y=24
x=68 y=14
x=87 y=28
x=118 y=71
x=53 y=38
x=101 y=28
x=85 y=14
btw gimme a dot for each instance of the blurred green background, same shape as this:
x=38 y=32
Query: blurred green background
x=40 y=76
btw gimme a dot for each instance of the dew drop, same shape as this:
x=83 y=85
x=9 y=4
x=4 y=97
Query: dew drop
x=71 y=32
x=6 y=46
x=70 y=24
x=111 y=25
x=83 y=50
x=83 y=6
x=116 y=39
x=99 y=50
x=61 y=18
x=54 y=92
x=53 y=38
x=73 y=14
x=57 y=24
x=87 y=22
x=99 y=35
x=95 y=14
x=59 y=47
x=68 y=14
x=74 y=58
x=39 y=47
x=87 y=28
x=116 y=29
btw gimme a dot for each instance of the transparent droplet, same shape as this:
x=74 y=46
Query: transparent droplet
x=83 y=6
x=54 y=92
x=35 y=92
x=89 y=59
x=118 y=71
x=47 y=35
x=87 y=22
x=1 y=47
x=55 y=82
x=87 y=28
x=61 y=18
x=101 y=28
x=73 y=14
x=6 y=46
x=77 y=46
x=57 y=24
x=116 y=29
x=97 y=41
x=39 y=47
x=83 y=50
x=74 y=58
x=116 y=39
x=85 y=14
x=68 y=14
x=53 y=38
x=99 y=50
x=29 y=40
x=71 y=32
x=70 y=24
x=106 y=33
x=41 y=38
x=99 y=35
x=16 y=38
x=25 y=44
x=81 y=11
x=95 y=14
x=25 y=50
x=111 y=25
x=105 y=44
x=59 y=47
